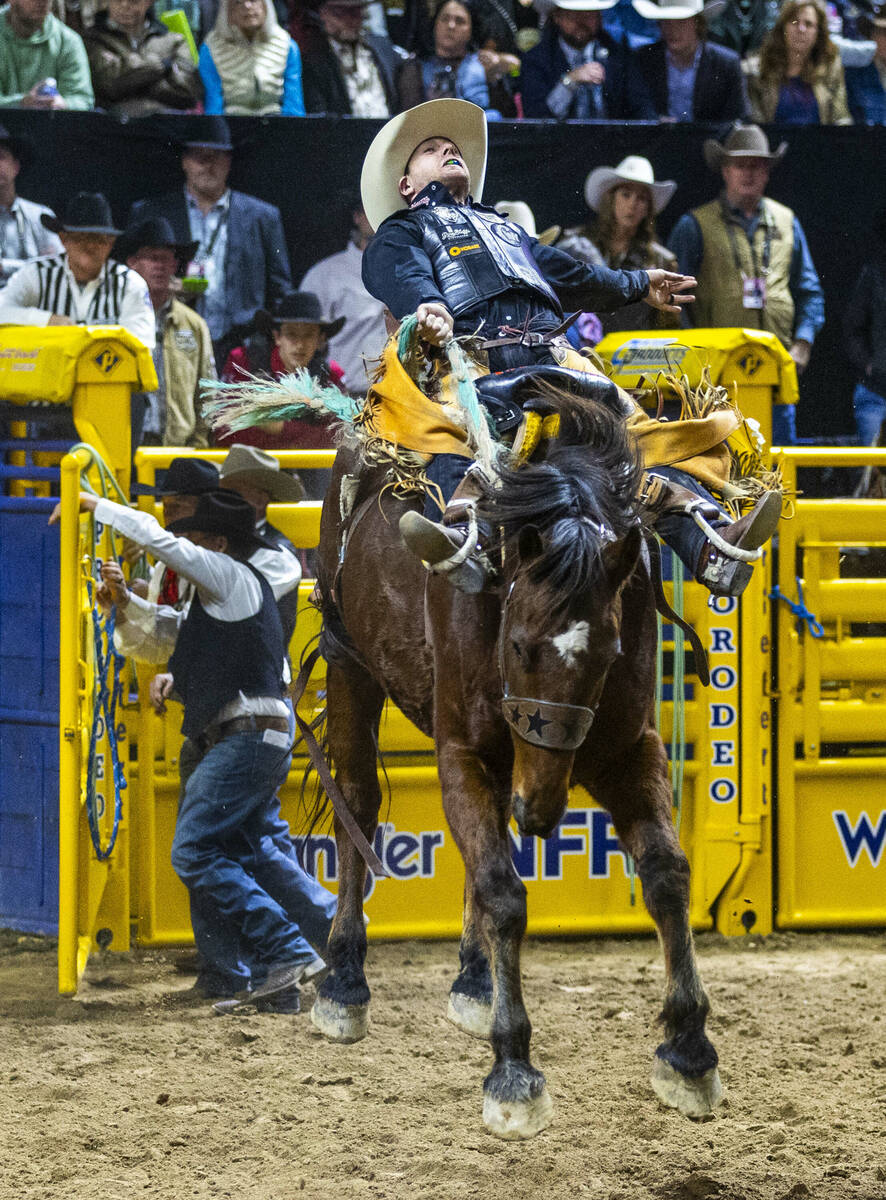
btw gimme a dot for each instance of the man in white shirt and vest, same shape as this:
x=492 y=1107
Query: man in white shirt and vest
x=23 y=235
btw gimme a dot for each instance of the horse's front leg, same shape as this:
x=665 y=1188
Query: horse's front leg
x=637 y=794
x=516 y=1103
x=341 y=1009
x=470 y=997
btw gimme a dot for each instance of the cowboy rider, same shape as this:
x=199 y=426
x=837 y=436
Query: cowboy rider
x=462 y=269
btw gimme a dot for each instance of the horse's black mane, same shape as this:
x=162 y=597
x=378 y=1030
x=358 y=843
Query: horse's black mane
x=580 y=497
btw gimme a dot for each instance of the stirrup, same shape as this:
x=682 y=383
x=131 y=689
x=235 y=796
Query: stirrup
x=466 y=568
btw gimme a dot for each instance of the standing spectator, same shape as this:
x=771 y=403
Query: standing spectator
x=750 y=257
x=337 y=282
x=743 y=24
x=249 y=65
x=183 y=350
x=80 y=286
x=866 y=85
x=797 y=78
x=43 y=64
x=578 y=71
x=626 y=199
x=864 y=328
x=23 y=236
x=455 y=69
x=139 y=67
x=241 y=263
x=352 y=72
x=691 y=78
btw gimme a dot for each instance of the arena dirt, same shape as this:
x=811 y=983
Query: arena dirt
x=124 y=1092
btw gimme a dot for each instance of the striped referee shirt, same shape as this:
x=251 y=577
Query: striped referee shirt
x=117 y=296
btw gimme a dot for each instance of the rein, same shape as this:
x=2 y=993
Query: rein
x=552 y=724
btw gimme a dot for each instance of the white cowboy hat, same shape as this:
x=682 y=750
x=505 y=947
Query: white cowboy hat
x=547 y=6
x=391 y=148
x=632 y=169
x=521 y=214
x=677 y=10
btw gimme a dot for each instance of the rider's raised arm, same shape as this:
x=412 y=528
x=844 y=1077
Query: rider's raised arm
x=593 y=289
x=397 y=269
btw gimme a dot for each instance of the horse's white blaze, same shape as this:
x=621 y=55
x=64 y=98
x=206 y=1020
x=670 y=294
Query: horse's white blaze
x=572 y=642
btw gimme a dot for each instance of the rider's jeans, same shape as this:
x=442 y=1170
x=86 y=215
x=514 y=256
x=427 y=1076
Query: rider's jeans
x=679 y=530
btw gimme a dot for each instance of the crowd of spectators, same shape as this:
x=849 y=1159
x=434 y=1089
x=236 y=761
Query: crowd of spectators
x=807 y=62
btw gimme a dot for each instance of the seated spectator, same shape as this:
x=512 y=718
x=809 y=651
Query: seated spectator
x=80 y=286
x=579 y=72
x=866 y=86
x=349 y=71
x=183 y=351
x=690 y=78
x=138 y=66
x=626 y=199
x=864 y=328
x=454 y=69
x=23 y=236
x=241 y=263
x=300 y=330
x=249 y=65
x=797 y=78
x=337 y=281
x=43 y=64
x=743 y=24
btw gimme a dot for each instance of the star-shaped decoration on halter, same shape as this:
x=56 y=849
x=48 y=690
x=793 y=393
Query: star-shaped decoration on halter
x=536 y=722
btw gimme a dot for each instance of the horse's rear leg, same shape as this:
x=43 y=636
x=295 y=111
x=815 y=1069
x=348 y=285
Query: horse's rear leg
x=470 y=997
x=516 y=1103
x=637 y=794
x=341 y=1009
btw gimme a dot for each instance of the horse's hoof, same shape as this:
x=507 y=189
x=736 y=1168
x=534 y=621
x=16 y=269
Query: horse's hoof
x=340 y=1022
x=693 y=1097
x=513 y=1119
x=470 y=1015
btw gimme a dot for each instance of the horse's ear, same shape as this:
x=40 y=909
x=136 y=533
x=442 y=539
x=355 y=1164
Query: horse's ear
x=622 y=558
x=529 y=545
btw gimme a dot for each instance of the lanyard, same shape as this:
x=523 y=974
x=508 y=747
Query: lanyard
x=202 y=254
x=767 y=244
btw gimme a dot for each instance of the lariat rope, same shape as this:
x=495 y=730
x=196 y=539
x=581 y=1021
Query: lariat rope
x=800 y=611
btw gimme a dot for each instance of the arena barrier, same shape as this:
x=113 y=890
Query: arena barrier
x=831 y=688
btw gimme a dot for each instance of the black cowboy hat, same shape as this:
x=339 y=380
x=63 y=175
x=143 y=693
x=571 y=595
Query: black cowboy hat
x=156 y=231
x=87 y=212
x=304 y=308
x=224 y=513
x=21 y=148
x=208 y=133
x=183 y=477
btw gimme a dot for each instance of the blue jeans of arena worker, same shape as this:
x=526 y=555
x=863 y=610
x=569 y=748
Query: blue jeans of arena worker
x=870 y=409
x=784 y=425
x=252 y=905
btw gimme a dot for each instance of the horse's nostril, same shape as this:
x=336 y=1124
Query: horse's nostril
x=533 y=824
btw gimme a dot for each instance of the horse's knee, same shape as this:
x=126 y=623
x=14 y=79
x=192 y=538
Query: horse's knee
x=664 y=873
x=500 y=895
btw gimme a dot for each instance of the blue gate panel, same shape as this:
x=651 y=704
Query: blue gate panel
x=29 y=827
x=29 y=611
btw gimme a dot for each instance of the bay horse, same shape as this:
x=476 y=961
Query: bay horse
x=542 y=681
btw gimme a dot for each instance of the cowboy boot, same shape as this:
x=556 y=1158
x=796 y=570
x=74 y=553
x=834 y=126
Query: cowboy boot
x=443 y=546
x=718 y=569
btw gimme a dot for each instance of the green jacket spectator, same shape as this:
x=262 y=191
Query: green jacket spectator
x=35 y=47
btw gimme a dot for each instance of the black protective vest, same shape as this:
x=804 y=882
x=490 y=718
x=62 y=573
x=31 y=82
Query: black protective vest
x=215 y=660
x=477 y=254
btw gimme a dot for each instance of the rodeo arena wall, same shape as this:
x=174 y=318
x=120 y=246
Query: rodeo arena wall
x=778 y=766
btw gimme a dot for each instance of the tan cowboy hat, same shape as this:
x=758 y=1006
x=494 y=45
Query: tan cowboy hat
x=632 y=169
x=742 y=141
x=248 y=464
x=392 y=147
x=521 y=214
x=678 y=10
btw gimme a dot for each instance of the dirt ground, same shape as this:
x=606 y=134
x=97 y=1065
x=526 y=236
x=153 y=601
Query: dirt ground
x=124 y=1091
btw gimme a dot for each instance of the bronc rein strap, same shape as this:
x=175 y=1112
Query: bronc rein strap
x=333 y=791
x=701 y=658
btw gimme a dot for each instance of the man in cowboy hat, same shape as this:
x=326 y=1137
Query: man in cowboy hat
x=462 y=268
x=80 y=286
x=578 y=70
x=690 y=78
x=751 y=258
x=183 y=350
x=226 y=669
x=241 y=263
x=23 y=236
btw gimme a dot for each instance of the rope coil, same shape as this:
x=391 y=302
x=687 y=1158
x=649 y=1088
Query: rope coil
x=800 y=611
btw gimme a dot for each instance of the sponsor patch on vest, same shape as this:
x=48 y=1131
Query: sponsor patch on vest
x=451 y=235
x=455 y=251
x=507 y=233
x=184 y=340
